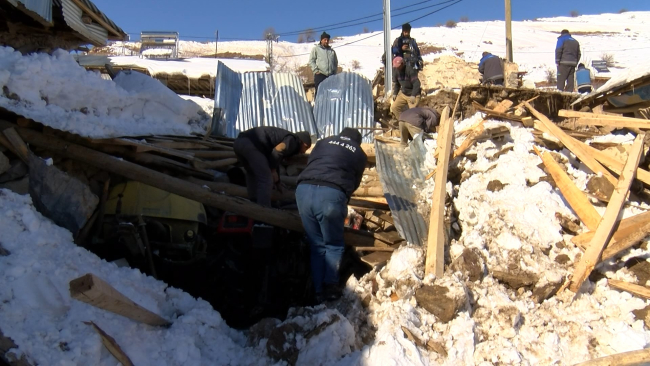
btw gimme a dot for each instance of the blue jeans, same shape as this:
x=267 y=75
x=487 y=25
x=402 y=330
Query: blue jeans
x=323 y=211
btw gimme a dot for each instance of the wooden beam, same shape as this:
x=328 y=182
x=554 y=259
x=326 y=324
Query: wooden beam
x=19 y=145
x=96 y=292
x=376 y=258
x=571 y=144
x=603 y=233
x=640 y=291
x=575 y=197
x=625 y=227
x=213 y=164
x=639 y=357
x=435 y=261
x=612 y=122
x=575 y=114
x=615 y=164
x=374 y=249
x=111 y=345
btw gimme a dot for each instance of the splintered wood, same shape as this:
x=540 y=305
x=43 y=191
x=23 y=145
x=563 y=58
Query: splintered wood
x=436 y=238
x=606 y=226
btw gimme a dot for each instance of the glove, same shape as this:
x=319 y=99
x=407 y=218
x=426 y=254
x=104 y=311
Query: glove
x=394 y=97
x=411 y=100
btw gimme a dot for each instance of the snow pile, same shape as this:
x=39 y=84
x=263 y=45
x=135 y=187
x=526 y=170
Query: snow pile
x=57 y=92
x=157 y=52
x=37 y=261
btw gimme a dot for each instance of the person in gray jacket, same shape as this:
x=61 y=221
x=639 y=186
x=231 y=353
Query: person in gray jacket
x=322 y=60
x=567 y=56
x=491 y=68
x=417 y=120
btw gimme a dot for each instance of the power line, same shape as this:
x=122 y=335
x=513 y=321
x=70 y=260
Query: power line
x=374 y=35
x=332 y=26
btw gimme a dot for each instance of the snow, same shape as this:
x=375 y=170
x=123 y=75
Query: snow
x=57 y=92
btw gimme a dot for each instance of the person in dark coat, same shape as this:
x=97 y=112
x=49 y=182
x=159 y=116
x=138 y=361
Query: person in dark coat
x=260 y=150
x=567 y=56
x=417 y=120
x=333 y=172
x=491 y=69
x=406 y=87
x=406 y=47
x=583 y=78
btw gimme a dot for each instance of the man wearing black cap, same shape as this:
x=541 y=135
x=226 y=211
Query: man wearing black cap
x=567 y=56
x=322 y=60
x=260 y=150
x=333 y=172
x=407 y=48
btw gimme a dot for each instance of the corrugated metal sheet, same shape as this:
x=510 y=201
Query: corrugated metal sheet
x=344 y=100
x=399 y=171
x=118 y=31
x=253 y=99
x=94 y=33
x=41 y=7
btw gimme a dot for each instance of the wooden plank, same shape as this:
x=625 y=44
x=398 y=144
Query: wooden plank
x=576 y=198
x=213 y=164
x=384 y=216
x=625 y=227
x=615 y=164
x=181 y=145
x=435 y=261
x=575 y=114
x=623 y=240
x=390 y=237
x=640 y=357
x=111 y=345
x=376 y=258
x=640 y=291
x=374 y=249
x=603 y=233
x=96 y=292
x=612 y=122
x=161 y=150
x=572 y=144
x=494 y=113
x=19 y=145
x=212 y=154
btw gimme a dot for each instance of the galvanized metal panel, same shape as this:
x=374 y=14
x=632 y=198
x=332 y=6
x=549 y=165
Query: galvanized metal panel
x=41 y=7
x=94 y=33
x=260 y=99
x=399 y=171
x=89 y=4
x=344 y=100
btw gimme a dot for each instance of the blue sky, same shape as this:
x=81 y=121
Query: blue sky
x=247 y=19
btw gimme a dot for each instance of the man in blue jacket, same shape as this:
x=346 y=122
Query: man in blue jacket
x=333 y=172
x=407 y=48
x=583 y=77
x=567 y=55
x=491 y=68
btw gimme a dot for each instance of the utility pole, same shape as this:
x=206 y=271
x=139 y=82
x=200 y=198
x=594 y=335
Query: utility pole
x=508 y=31
x=388 y=66
x=269 y=49
x=216 y=43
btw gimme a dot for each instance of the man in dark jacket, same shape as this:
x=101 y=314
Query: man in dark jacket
x=417 y=120
x=406 y=87
x=567 y=55
x=407 y=48
x=333 y=172
x=260 y=150
x=491 y=68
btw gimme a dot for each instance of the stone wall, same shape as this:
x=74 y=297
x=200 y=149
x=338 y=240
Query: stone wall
x=448 y=71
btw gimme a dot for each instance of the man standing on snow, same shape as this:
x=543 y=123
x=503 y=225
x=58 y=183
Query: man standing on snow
x=260 y=150
x=567 y=55
x=407 y=48
x=323 y=61
x=406 y=87
x=417 y=120
x=491 y=68
x=333 y=172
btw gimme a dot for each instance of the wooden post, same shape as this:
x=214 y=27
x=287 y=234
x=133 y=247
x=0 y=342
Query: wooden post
x=96 y=292
x=572 y=144
x=575 y=197
x=435 y=261
x=604 y=231
x=621 y=359
x=508 y=31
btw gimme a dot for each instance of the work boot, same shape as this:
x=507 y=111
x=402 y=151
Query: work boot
x=332 y=292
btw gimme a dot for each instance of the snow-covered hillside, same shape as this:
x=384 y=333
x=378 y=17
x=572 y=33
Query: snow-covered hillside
x=625 y=36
